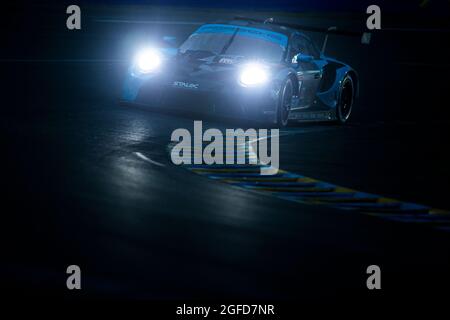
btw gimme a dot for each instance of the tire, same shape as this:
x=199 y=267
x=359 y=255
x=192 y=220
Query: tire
x=285 y=103
x=346 y=100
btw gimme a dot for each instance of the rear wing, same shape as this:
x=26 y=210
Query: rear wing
x=364 y=36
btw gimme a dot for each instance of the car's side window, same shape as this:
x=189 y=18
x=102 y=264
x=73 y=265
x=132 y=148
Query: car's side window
x=298 y=45
x=312 y=49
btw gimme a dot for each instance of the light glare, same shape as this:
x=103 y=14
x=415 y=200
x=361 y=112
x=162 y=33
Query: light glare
x=253 y=74
x=148 y=60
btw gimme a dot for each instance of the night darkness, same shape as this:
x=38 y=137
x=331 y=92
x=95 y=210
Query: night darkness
x=87 y=125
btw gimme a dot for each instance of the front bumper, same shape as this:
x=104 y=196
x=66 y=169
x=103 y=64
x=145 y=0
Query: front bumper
x=224 y=99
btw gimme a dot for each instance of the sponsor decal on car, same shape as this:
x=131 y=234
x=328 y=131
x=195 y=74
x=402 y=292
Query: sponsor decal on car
x=186 y=85
x=226 y=61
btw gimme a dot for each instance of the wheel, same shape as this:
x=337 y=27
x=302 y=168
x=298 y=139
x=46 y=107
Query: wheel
x=285 y=103
x=346 y=98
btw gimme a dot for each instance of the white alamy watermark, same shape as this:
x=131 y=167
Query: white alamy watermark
x=374 y=280
x=74 y=279
x=235 y=146
x=373 y=22
x=73 y=21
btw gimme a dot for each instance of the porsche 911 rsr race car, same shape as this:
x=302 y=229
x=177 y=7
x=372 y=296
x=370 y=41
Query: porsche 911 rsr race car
x=243 y=68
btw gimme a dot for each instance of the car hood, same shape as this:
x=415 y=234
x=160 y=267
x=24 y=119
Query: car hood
x=210 y=67
x=208 y=70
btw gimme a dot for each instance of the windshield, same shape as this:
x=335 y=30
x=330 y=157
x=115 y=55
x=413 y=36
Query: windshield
x=241 y=41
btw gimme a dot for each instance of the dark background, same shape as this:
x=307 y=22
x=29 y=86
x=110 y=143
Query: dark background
x=75 y=193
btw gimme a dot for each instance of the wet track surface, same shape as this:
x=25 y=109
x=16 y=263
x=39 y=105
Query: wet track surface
x=89 y=182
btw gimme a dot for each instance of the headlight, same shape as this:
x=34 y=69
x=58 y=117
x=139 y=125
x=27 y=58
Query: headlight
x=148 y=60
x=253 y=74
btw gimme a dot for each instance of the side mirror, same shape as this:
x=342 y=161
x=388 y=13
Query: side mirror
x=302 y=58
x=172 y=41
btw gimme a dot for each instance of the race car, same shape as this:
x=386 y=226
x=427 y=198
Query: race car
x=258 y=70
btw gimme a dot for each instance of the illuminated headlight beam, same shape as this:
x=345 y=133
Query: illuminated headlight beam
x=253 y=74
x=148 y=60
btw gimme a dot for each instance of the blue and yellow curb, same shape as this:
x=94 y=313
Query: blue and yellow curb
x=298 y=188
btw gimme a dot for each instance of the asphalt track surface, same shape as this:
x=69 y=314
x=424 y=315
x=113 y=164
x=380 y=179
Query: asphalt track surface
x=88 y=182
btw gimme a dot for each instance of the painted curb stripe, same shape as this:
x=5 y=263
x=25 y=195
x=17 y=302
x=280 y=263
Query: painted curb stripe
x=297 y=188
